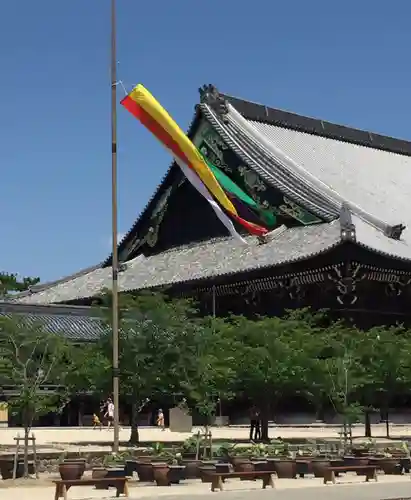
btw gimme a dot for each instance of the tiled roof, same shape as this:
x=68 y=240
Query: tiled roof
x=376 y=181
x=323 y=173
x=74 y=323
x=49 y=284
x=225 y=256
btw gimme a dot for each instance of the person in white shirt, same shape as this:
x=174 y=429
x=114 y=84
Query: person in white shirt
x=109 y=413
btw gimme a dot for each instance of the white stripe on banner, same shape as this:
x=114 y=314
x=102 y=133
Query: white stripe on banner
x=197 y=183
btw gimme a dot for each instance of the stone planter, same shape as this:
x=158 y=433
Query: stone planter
x=223 y=467
x=286 y=469
x=243 y=466
x=192 y=468
x=318 y=467
x=405 y=464
x=390 y=465
x=145 y=472
x=6 y=469
x=303 y=466
x=130 y=467
x=356 y=461
x=360 y=452
x=205 y=478
x=160 y=474
x=259 y=465
x=98 y=473
x=72 y=470
x=176 y=473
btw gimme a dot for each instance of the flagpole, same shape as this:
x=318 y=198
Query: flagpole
x=114 y=262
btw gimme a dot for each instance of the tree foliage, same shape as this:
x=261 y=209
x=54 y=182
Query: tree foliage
x=11 y=283
x=31 y=358
x=167 y=352
x=167 y=349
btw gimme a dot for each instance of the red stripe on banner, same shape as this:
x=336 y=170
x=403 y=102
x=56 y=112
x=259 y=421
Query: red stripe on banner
x=250 y=226
x=152 y=125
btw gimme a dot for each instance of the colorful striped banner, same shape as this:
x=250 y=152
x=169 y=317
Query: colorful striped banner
x=156 y=119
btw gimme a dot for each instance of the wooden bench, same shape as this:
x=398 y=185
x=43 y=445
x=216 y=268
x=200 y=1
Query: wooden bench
x=369 y=471
x=217 y=478
x=63 y=485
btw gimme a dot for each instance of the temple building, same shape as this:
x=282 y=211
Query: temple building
x=338 y=201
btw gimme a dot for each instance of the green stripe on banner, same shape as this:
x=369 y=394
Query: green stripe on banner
x=231 y=187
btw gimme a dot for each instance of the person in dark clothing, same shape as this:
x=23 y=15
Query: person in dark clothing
x=255 y=428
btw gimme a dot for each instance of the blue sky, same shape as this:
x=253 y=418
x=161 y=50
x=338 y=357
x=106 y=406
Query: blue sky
x=346 y=62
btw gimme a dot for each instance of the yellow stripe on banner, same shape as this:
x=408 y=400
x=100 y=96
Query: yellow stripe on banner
x=150 y=104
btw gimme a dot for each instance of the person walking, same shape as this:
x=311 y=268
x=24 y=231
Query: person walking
x=109 y=413
x=160 y=419
x=255 y=429
x=96 y=421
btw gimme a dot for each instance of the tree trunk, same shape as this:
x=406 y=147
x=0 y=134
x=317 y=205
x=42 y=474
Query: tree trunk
x=26 y=450
x=265 y=416
x=367 y=423
x=387 y=424
x=134 y=435
x=319 y=409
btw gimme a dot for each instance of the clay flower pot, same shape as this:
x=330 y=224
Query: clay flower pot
x=72 y=470
x=145 y=472
x=160 y=474
x=259 y=465
x=176 y=473
x=389 y=465
x=6 y=469
x=356 y=461
x=243 y=465
x=286 y=469
x=205 y=478
x=130 y=467
x=318 y=467
x=192 y=470
x=99 y=473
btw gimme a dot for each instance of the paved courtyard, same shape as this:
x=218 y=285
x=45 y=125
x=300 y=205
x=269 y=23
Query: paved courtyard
x=86 y=435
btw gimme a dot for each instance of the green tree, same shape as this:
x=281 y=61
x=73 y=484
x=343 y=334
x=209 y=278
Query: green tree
x=209 y=367
x=270 y=357
x=347 y=374
x=152 y=337
x=30 y=358
x=88 y=370
x=386 y=354
x=10 y=283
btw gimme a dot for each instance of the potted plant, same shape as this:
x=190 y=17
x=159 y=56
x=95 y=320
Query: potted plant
x=176 y=470
x=6 y=467
x=160 y=473
x=188 y=448
x=319 y=464
x=281 y=459
x=389 y=464
x=70 y=470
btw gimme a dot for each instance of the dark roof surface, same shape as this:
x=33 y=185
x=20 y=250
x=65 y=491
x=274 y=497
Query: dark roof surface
x=74 y=323
x=264 y=114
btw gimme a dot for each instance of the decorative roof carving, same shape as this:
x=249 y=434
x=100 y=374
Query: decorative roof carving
x=395 y=232
x=210 y=95
x=346 y=224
